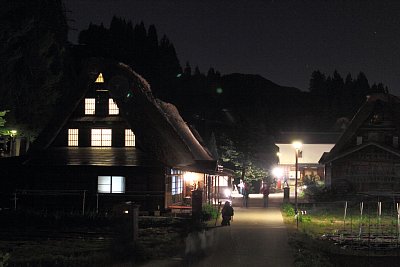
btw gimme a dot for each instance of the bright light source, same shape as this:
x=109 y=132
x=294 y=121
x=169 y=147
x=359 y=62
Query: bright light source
x=297 y=144
x=189 y=176
x=227 y=192
x=100 y=78
x=277 y=172
x=126 y=211
x=219 y=90
x=13 y=132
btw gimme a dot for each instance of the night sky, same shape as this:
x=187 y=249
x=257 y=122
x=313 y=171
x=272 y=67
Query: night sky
x=283 y=41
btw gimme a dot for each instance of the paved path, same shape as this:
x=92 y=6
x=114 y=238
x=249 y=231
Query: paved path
x=256 y=237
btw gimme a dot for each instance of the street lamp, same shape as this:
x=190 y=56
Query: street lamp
x=13 y=133
x=297 y=145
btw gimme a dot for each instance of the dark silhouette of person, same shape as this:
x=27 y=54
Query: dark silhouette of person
x=227 y=213
x=245 y=192
x=265 y=191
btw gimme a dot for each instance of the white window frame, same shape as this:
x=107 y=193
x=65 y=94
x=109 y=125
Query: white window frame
x=130 y=139
x=176 y=182
x=73 y=137
x=101 y=137
x=110 y=184
x=90 y=106
x=112 y=107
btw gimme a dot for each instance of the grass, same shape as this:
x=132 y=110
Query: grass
x=62 y=245
x=311 y=249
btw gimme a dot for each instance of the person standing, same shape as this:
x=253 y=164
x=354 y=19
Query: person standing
x=245 y=193
x=265 y=191
x=227 y=213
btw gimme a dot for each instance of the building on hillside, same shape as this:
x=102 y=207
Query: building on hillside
x=112 y=142
x=366 y=158
x=313 y=145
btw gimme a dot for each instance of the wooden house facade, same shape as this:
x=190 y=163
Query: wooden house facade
x=366 y=158
x=112 y=143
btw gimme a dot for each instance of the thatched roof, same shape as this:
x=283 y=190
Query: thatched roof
x=159 y=128
x=343 y=145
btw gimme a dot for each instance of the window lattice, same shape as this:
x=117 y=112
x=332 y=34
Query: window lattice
x=100 y=78
x=90 y=106
x=129 y=138
x=112 y=107
x=177 y=182
x=73 y=135
x=101 y=137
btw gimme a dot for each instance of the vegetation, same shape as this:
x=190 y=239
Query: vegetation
x=210 y=212
x=330 y=233
x=36 y=66
x=37 y=239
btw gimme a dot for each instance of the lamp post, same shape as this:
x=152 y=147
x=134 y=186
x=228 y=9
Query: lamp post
x=13 y=133
x=297 y=145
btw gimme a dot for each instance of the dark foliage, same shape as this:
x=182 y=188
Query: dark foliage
x=136 y=46
x=34 y=63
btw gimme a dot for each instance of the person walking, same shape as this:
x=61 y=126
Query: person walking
x=265 y=191
x=245 y=192
x=227 y=213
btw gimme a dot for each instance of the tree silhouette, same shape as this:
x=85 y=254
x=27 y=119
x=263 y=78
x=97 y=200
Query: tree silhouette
x=34 y=69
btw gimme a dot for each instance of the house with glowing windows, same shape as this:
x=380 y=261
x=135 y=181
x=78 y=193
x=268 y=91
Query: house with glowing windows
x=113 y=143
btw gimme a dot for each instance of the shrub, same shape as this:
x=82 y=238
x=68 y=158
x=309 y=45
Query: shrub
x=288 y=209
x=209 y=212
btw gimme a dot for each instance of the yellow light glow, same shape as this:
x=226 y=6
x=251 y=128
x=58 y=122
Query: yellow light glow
x=189 y=177
x=297 y=144
x=100 y=78
x=13 y=132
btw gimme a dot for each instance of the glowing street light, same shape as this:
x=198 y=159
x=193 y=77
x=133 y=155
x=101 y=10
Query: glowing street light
x=297 y=145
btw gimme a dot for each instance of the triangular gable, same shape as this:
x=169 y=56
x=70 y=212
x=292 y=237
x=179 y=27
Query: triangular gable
x=359 y=118
x=158 y=125
x=388 y=149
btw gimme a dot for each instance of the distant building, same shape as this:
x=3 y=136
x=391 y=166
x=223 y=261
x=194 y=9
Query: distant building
x=112 y=142
x=314 y=144
x=366 y=158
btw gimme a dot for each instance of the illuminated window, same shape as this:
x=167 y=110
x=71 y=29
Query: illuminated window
x=129 y=138
x=90 y=106
x=111 y=184
x=101 y=137
x=100 y=78
x=112 y=107
x=177 y=182
x=73 y=137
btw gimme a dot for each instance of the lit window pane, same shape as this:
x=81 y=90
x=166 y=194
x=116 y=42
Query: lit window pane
x=177 y=182
x=100 y=78
x=104 y=184
x=101 y=137
x=129 y=138
x=118 y=184
x=90 y=106
x=112 y=107
x=111 y=184
x=106 y=137
x=73 y=135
